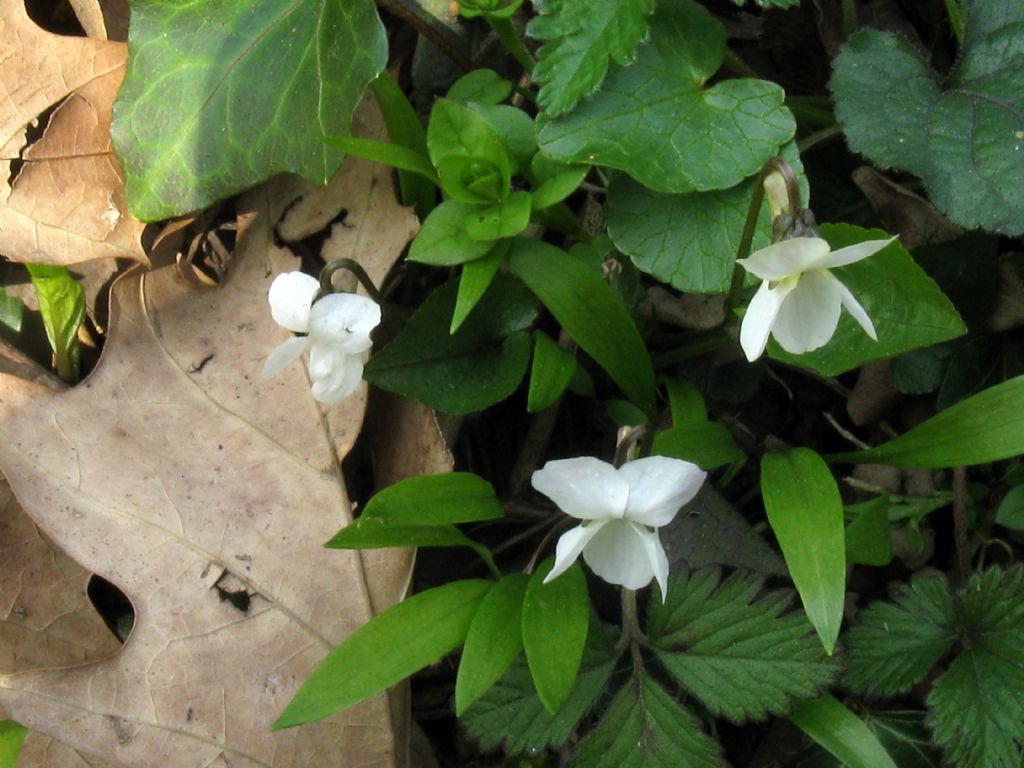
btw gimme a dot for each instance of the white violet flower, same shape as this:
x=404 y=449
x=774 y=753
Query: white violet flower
x=800 y=301
x=338 y=333
x=621 y=510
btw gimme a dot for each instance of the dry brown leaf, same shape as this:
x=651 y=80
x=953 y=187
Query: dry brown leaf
x=104 y=19
x=66 y=203
x=172 y=471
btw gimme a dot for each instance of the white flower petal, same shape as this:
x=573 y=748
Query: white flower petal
x=325 y=360
x=620 y=555
x=344 y=320
x=657 y=558
x=809 y=315
x=760 y=317
x=342 y=381
x=859 y=313
x=853 y=253
x=291 y=296
x=284 y=355
x=659 y=487
x=585 y=488
x=570 y=544
x=786 y=258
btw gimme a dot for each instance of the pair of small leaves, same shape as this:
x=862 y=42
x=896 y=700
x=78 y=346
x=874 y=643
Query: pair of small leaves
x=963 y=137
x=977 y=703
x=692 y=437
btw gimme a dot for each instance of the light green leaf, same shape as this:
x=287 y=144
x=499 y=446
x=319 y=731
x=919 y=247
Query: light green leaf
x=387 y=649
x=655 y=121
x=385 y=153
x=443 y=240
x=377 y=533
x=734 y=649
x=685 y=402
x=555 y=620
x=645 y=727
x=893 y=645
x=511 y=713
x=553 y=181
x=907 y=308
x=506 y=219
x=708 y=444
x=480 y=364
x=837 y=729
x=868 y=536
x=581 y=38
x=965 y=140
x=405 y=129
x=254 y=86
x=516 y=130
x=494 y=640
x=806 y=515
x=689 y=240
x=62 y=305
x=901 y=732
x=1010 y=513
x=483 y=86
x=985 y=427
x=553 y=369
x=474 y=280
x=470 y=157
x=12 y=736
x=590 y=311
x=11 y=311
x=452 y=497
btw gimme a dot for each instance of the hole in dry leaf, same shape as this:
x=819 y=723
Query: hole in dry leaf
x=55 y=16
x=112 y=605
x=209 y=244
x=33 y=132
x=310 y=248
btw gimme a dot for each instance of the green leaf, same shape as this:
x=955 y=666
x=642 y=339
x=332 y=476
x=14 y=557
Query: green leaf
x=255 y=85
x=685 y=402
x=655 y=121
x=443 y=240
x=806 y=515
x=988 y=426
x=708 y=444
x=387 y=649
x=553 y=181
x=553 y=369
x=868 y=536
x=12 y=736
x=494 y=640
x=906 y=307
x=555 y=620
x=516 y=130
x=386 y=153
x=405 y=129
x=590 y=311
x=377 y=533
x=474 y=280
x=963 y=140
x=470 y=157
x=1010 y=513
x=689 y=240
x=11 y=311
x=452 y=497
x=841 y=732
x=480 y=364
x=62 y=305
x=506 y=219
x=512 y=713
x=646 y=727
x=901 y=733
x=483 y=86
x=893 y=645
x=733 y=648
x=581 y=39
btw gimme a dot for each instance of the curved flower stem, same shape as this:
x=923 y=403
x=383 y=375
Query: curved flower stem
x=509 y=37
x=632 y=636
x=818 y=137
x=849 y=17
x=353 y=266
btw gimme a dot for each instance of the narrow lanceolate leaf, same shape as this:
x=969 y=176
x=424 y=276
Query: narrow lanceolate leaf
x=62 y=305
x=555 y=620
x=655 y=120
x=553 y=369
x=806 y=515
x=894 y=645
x=988 y=426
x=645 y=727
x=590 y=311
x=511 y=715
x=581 y=39
x=830 y=723
x=708 y=444
x=453 y=497
x=735 y=649
x=389 y=648
x=255 y=86
x=494 y=640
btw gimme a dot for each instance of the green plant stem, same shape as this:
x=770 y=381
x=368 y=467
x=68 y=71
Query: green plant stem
x=818 y=137
x=746 y=240
x=849 y=17
x=695 y=348
x=811 y=110
x=960 y=529
x=739 y=66
x=353 y=266
x=508 y=35
x=956 y=19
x=632 y=635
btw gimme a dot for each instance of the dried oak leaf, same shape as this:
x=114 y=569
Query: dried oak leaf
x=62 y=196
x=205 y=495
